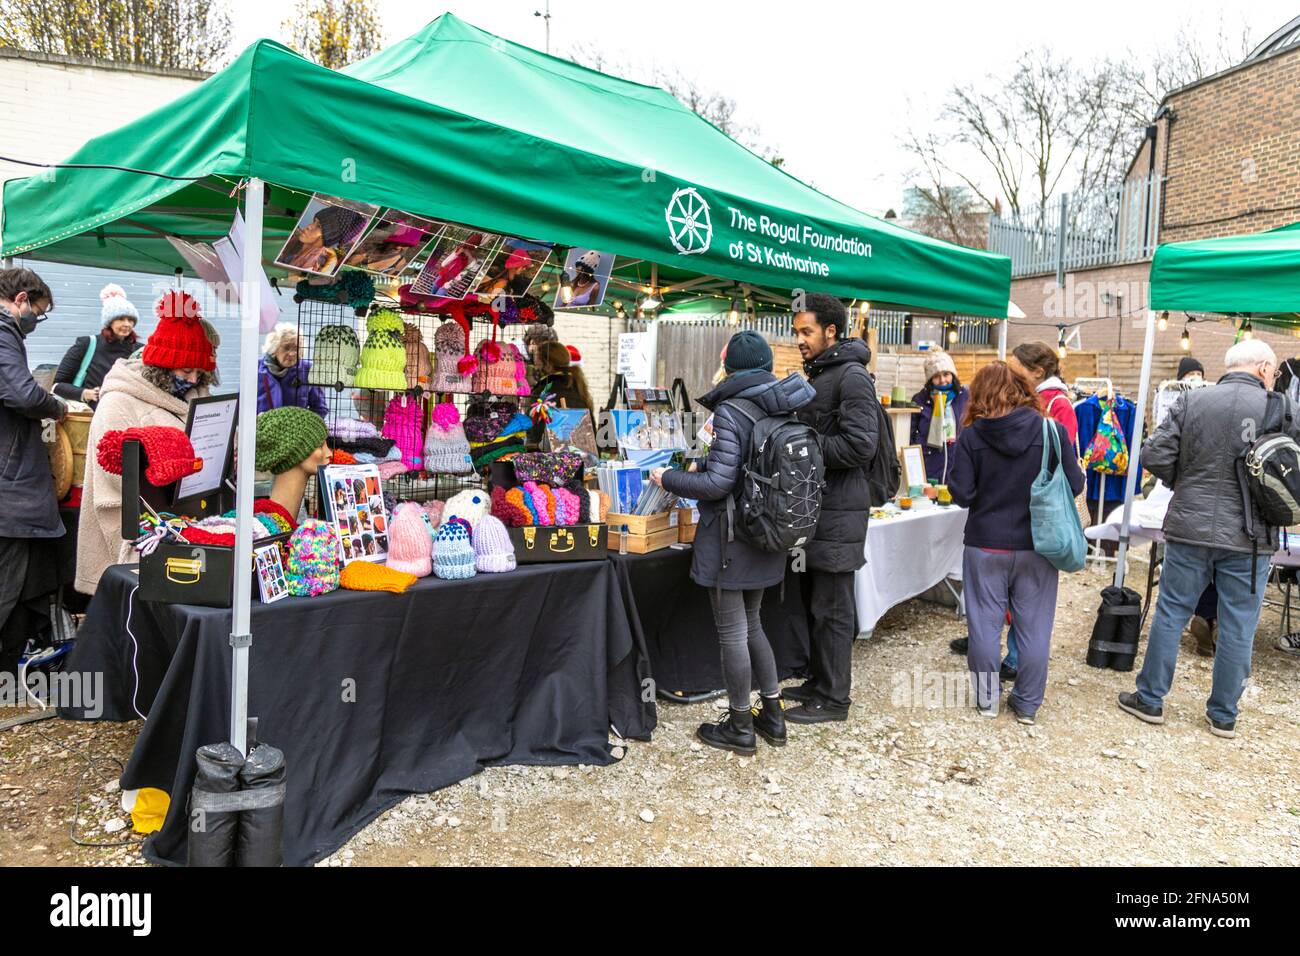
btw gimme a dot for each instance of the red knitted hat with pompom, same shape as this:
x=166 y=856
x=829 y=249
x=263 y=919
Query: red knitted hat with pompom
x=179 y=340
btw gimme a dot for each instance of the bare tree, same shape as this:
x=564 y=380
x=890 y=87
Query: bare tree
x=936 y=205
x=174 y=34
x=335 y=33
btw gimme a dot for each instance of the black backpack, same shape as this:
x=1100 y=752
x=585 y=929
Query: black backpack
x=1269 y=473
x=780 y=495
x=884 y=474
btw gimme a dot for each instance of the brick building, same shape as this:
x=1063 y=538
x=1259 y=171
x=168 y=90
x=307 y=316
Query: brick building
x=1221 y=157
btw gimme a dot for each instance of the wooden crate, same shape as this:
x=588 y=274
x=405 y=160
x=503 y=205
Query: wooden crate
x=638 y=524
x=644 y=543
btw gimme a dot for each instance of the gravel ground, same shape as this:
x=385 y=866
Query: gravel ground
x=897 y=784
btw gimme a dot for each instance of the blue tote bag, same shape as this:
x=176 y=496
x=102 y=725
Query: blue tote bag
x=1053 y=517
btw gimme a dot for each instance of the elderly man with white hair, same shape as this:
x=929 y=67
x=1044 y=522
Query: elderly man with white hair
x=1195 y=452
x=282 y=375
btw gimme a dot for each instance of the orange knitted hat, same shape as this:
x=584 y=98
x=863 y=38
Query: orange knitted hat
x=364 y=576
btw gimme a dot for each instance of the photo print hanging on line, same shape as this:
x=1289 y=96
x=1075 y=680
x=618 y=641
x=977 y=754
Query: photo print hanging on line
x=456 y=263
x=513 y=269
x=327 y=232
x=588 y=272
x=395 y=240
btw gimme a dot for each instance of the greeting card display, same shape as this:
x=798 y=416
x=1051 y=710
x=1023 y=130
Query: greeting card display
x=394 y=241
x=326 y=233
x=352 y=501
x=513 y=268
x=456 y=263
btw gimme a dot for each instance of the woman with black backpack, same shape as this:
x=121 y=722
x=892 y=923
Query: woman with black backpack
x=735 y=571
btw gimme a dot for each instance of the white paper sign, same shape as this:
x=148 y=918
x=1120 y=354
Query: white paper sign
x=210 y=434
x=634 y=362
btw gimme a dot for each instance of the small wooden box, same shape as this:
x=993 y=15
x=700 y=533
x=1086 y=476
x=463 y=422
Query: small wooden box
x=638 y=524
x=644 y=543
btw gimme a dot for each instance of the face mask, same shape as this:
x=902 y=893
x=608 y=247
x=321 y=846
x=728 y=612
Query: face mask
x=180 y=386
x=26 y=322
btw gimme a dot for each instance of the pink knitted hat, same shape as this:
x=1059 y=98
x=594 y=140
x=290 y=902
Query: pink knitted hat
x=410 y=549
x=402 y=425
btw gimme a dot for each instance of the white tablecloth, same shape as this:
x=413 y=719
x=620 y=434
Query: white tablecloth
x=1147 y=522
x=907 y=555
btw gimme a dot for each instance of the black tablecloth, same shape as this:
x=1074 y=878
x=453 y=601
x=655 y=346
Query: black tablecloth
x=374 y=696
x=676 y=621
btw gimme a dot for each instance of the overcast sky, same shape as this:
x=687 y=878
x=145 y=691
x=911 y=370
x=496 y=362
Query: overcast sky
x=831 y=85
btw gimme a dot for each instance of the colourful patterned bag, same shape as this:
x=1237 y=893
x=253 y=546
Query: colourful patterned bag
x=1108 y=453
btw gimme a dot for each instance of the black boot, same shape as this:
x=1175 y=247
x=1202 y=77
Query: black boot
x=769 y=720
x=801 y=693
x=735 y=733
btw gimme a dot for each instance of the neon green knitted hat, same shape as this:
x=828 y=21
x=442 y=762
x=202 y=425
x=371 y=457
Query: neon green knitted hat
x=286 y=437
x=383 y=357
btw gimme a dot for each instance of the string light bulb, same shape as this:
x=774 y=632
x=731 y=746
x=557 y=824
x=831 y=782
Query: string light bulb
x=952 y=335
x=1163 y=322
x=1247 y=332
x=734 y=314
x=1060 y=341
x=650 y=302
x=566 y=288
x=1186 y=340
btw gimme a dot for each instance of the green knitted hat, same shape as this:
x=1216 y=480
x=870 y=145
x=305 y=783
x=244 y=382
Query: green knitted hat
x=383 y=357
x=286 y=437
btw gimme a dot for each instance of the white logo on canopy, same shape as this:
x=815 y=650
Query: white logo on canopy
x=689 y=225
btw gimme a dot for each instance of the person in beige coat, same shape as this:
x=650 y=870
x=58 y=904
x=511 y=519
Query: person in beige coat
x=154 y=389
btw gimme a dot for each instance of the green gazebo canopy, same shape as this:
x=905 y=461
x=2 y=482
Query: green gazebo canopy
x=456 y=124
x=1256 y=274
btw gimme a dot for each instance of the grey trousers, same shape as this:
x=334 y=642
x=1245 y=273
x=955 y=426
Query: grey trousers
x=746 y=653
x=1025 y=583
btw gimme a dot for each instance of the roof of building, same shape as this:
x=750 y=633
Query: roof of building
x=1281 y=39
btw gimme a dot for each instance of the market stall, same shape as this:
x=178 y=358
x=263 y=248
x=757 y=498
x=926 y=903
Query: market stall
x=908 y=553
x=1246 y=278
x=398 y=188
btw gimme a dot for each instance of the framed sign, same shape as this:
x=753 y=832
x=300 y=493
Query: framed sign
x=913 y=464
x=211 y=429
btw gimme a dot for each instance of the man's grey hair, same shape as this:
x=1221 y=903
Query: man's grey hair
x=1247 y=353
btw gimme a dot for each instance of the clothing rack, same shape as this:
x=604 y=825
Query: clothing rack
x=1093 y=386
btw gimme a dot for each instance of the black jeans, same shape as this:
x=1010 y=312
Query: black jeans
x=746 y=653
x=832 y=627
x=14 y=553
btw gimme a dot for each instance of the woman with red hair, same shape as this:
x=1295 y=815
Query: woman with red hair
x=995 y=461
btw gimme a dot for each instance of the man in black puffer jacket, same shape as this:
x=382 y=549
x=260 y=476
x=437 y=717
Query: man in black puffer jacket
x=847 y=425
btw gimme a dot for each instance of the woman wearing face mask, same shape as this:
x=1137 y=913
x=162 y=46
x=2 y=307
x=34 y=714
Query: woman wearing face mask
x=943 y=407
x=84 y=365
x=154 y=389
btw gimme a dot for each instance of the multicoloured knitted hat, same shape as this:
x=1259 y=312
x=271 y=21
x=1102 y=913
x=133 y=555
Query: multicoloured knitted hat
x=419 y=370
x=313 y=565
x=179 y=340
x=335 y=355
x=168 y=453
x=383 y=357
x=410 y=549
x=365 y=576
x=450 y=345
x=453 y=551
x=286 y=437
x=493 y=552
x=469 y=505
x=446 y=451
x=402 y=425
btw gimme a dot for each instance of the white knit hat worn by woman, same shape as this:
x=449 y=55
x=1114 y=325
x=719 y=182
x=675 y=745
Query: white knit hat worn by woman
x=115 y=305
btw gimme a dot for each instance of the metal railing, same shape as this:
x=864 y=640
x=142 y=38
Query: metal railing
x=1108 y=227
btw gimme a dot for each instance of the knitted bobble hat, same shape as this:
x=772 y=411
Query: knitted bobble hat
x=434 y=510
x=115 y=305
x=179 y=340
x=453 y=551
x=446 y=450
x=364 y=576
x=469 y=505
x=383 y=357
x=410 y=549
x=419 y=370
x=450 y=344
x=286 y=437
x=313 y=566
x=167 y=450
x=493 y=552
x=402 y=425
x=335 y=355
